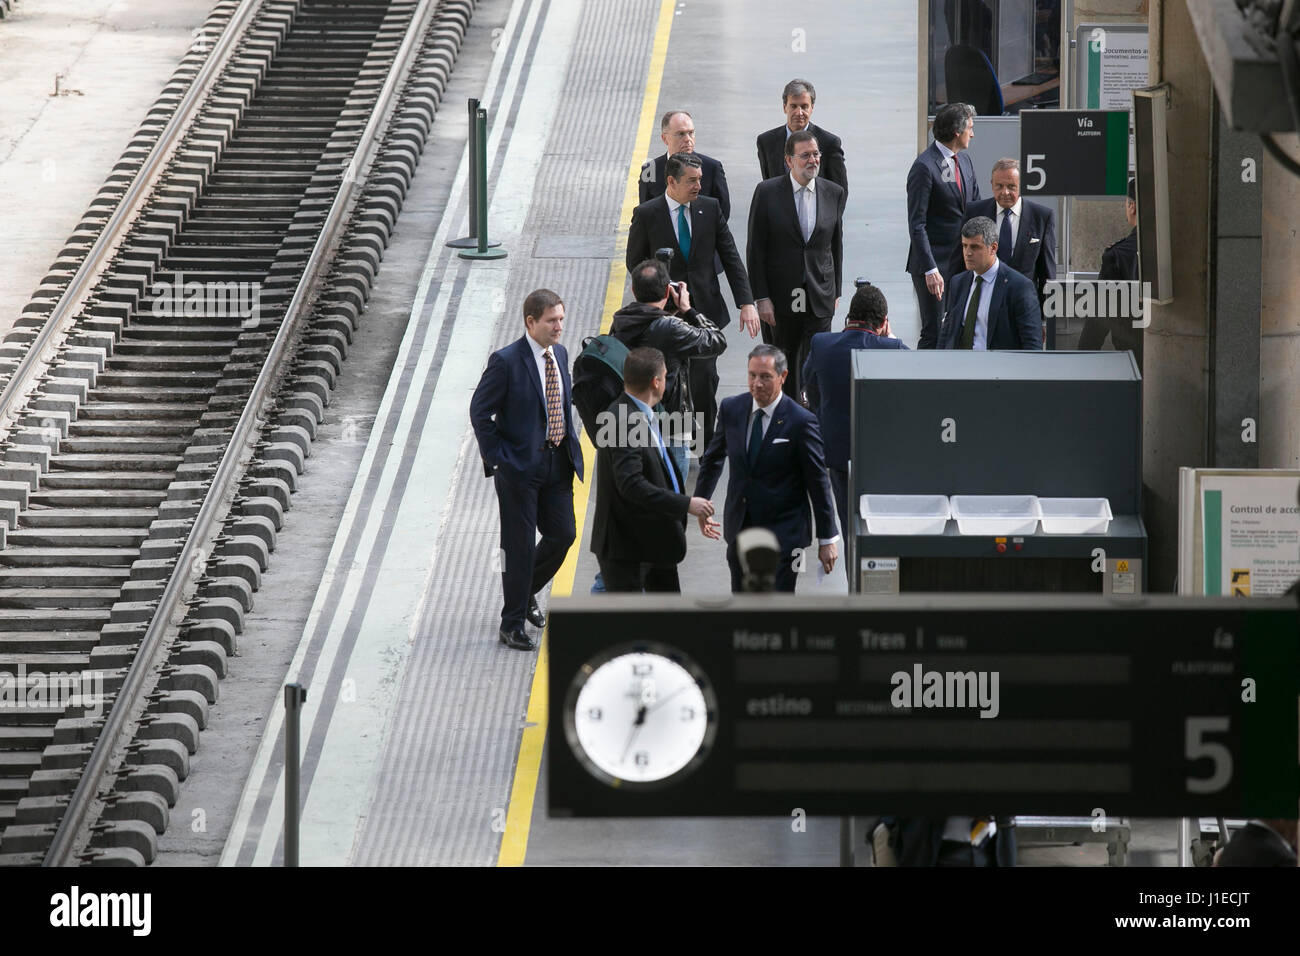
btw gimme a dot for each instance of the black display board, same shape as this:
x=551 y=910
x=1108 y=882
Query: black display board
x=1074 y=152
x=1059 y=705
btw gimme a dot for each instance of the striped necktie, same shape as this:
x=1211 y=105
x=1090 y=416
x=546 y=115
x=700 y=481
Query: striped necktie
x=554 y=410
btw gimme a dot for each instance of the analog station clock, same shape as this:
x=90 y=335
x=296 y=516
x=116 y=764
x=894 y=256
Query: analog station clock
x=640 y=716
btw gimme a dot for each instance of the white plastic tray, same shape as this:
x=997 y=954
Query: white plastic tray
x=905 y=514
x=996 y=514
x=1075 y=515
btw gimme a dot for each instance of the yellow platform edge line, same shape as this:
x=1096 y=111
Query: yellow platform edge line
x=514 y=842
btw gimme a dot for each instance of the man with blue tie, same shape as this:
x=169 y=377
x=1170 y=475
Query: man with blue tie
x=522 y=418
x=638 y=533
x=695 y=227
x=991 y=306
x=773 y=450
x=1026 y=230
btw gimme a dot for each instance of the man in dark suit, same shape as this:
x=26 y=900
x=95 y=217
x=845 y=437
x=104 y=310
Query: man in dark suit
x=827 y=380
x=795 y=252
x=529 y=443
x=1026 y=230
x=991 y=306
x=677 y=131
x=1119 y=263
x=940 y=185
x=773 y=449
x=797 y=100
x=693 y=224
x=638 y=533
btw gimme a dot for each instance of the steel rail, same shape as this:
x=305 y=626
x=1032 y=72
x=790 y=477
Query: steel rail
x=24 y=376
x=230 y=468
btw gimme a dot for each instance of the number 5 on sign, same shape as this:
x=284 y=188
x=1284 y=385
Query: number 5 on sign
x=1196 y=747
x=1031 y=169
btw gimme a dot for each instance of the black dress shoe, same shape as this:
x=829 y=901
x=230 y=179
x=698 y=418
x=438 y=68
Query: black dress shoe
x=517 y=640
x=535 y=616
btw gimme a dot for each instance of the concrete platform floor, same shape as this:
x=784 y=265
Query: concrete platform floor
x=112 y=58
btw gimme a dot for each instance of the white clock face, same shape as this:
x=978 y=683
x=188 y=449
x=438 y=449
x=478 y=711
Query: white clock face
x=639 y=718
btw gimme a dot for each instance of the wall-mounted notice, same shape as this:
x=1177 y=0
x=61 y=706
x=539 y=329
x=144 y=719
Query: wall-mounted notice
x=1250 y=534
x=1113 y=63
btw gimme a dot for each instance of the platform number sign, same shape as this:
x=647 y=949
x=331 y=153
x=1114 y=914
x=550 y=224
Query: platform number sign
x=1074 y=152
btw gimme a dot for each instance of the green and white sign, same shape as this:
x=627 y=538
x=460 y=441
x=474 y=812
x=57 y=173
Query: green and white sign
x=1074 y=152
x=1249 y=532
x=1114 y=64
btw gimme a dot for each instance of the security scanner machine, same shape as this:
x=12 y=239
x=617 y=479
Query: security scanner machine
x=996 y=471
x=1000 y=471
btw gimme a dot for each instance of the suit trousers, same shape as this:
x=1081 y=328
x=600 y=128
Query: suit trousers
x=793 y=336
x=843 y=507
x=931 y=311
x=785 y=573
x=638 y=576
x=704 y=397
x=1121 y=332
x=542 y=503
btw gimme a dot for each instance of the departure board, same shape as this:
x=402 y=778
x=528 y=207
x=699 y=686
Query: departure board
x=988 y=704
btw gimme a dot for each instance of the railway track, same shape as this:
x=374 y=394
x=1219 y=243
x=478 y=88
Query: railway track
x=161 y=392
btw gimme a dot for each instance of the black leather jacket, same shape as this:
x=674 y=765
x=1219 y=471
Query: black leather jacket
x=680 y=339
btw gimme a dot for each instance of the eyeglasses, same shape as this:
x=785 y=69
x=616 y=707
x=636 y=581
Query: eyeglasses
x=807 y=156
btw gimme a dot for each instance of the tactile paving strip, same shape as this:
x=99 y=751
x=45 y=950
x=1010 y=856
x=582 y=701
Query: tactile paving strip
x=448 y=764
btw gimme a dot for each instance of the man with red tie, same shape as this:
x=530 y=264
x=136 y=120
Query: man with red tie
x=940 y=185
x=523 y=420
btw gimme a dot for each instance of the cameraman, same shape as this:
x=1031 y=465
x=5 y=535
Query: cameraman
x=662 y=318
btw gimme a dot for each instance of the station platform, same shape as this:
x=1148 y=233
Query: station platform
x=422 y=735
x=108 y=61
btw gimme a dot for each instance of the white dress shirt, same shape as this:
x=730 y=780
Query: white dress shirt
x=986 y=296
x=768 y=411
x=673 y=205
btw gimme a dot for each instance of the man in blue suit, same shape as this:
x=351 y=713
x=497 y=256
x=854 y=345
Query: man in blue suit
x=773 y=448
x=827 y=378
x=523 y=420
x=940 y=185
x=990 y=306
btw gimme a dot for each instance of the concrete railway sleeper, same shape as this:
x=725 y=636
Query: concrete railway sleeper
x=153 y=438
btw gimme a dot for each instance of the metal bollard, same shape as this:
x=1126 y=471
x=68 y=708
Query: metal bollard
x=295 y=695
x=485 y=249
x=471 y=241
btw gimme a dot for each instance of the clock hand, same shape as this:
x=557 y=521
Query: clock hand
x=668 y=698
x=636 y=726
